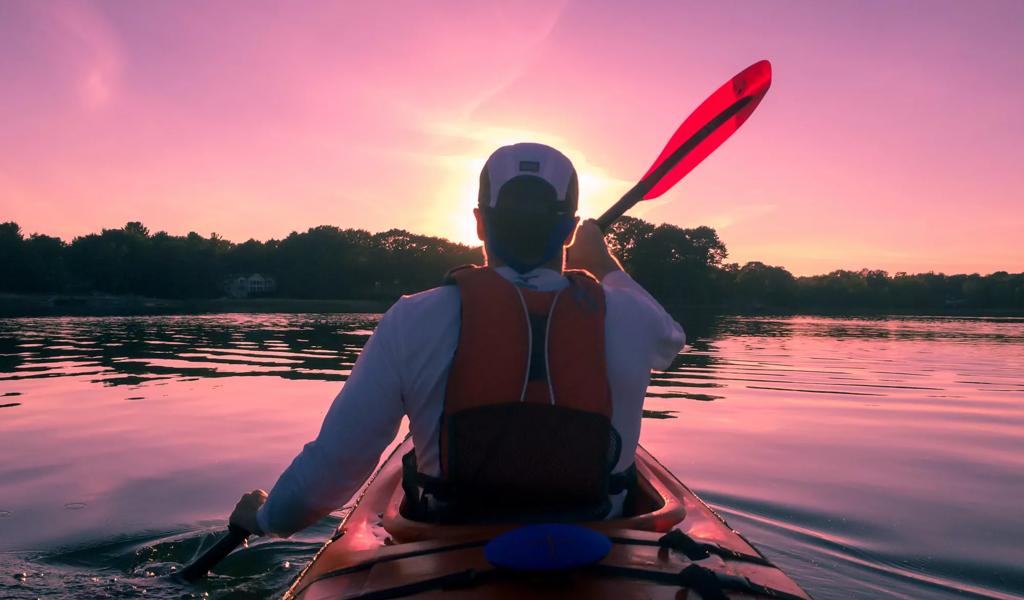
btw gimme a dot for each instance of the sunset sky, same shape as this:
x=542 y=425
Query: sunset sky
x=891 y=137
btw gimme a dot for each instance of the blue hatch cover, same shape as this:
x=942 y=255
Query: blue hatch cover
x=556 y=547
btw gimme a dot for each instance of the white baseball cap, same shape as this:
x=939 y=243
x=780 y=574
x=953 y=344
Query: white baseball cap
x=530 y=162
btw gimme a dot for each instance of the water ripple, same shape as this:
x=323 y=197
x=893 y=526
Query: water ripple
x=869 y=457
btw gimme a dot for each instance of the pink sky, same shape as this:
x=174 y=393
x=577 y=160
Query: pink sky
x=891 y=137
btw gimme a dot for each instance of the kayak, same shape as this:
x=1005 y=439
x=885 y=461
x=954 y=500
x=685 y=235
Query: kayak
x=672 y=544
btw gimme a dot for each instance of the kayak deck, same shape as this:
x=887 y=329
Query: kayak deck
x=379 y=553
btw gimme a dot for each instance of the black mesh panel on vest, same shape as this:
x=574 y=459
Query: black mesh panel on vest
x=531 y=460
x=538 y=356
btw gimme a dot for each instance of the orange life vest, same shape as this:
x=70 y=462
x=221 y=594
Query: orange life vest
x=526 y=427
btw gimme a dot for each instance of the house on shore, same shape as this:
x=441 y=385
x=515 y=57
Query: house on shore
x=242 y=286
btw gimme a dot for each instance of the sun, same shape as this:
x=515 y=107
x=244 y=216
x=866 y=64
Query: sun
x=598 y=189
x=464 y=226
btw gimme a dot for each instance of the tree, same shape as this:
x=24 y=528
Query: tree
x=764 y=285
x=677 y=265
x=624 y=236
x=11 y=254
x=43 y=264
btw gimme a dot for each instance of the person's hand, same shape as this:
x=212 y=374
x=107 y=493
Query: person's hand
x=244 y=515
x=589 y=252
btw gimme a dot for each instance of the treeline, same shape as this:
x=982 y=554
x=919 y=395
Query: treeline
x=323 y=262
x=687 y=266
x=678 y=266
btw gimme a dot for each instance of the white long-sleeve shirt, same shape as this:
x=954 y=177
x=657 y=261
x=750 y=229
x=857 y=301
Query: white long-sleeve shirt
x=403 y=370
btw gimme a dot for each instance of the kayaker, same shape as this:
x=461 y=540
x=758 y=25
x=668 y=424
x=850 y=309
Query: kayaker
x=523 y=384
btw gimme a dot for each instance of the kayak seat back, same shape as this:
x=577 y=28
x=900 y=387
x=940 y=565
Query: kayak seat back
x=511 y=462
x=656 y=505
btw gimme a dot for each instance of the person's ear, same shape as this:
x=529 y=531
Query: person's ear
x=572 y=232
x=481 y=232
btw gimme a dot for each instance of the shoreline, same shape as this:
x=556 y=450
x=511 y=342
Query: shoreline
x=843 y=312
x=13 y=306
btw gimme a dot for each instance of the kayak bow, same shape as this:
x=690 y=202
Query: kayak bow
x=672 y=544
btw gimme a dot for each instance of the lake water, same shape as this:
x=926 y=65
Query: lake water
x=869 y=458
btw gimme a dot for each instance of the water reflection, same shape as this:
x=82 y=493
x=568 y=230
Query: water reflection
x=134 y=350
x=868 y=457
x=765 y=361
x=889 y=450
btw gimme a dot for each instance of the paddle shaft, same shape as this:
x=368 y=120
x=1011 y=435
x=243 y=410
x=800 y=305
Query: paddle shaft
x=638 y=191
x=202 y=565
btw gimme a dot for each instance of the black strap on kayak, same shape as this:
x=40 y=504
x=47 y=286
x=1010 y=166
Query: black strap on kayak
x=710 y=584
x=376 y=561
x=459 y=579
x=677 y=540
x=692 y=549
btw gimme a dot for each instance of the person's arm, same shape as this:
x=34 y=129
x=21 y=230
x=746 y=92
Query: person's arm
x=590 y=253
x=665 y=335
x=363 y=419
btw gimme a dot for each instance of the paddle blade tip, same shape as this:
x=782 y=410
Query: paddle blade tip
x=714 y=121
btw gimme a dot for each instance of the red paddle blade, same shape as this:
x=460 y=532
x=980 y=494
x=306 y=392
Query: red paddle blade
x=710 y=125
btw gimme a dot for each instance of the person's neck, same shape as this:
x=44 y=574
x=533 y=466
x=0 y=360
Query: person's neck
x=556 y=264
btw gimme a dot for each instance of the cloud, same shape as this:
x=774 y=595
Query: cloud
x=95 y=51
x=530 y=42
